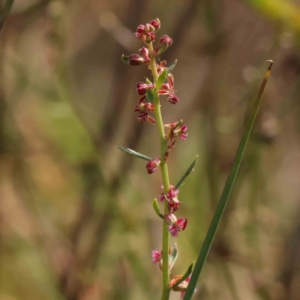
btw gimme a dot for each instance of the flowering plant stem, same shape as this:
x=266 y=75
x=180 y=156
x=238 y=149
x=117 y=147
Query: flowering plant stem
x=165 y=178
x=149 y=102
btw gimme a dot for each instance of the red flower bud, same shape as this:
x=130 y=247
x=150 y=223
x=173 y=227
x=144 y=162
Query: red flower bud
x=172 y=98
x=155 y=23
x=142 y=88
x=144 y=107
x=156 y=256
x=135 y=60
x=164 y=42
x=140 y=29
x=150 y=37
x=149 y=28
x=145 y=54
x=152 y=165
x=165 y=39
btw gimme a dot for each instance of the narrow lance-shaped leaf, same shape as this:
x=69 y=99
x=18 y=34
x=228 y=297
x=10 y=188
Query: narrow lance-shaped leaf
x=172 y=66
x=150 y=96
x=161 y=79
x=226 y=191
x=186 y=174
x=134 y=153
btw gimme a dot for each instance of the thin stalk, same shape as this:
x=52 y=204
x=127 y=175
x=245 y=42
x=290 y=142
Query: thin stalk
x=165 y=178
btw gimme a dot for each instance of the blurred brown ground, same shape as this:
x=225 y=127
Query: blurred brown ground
x=76 y=216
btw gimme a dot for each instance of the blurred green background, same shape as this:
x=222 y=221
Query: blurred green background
x=76 y=216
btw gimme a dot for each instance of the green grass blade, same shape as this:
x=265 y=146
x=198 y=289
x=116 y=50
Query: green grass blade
x=226 y=192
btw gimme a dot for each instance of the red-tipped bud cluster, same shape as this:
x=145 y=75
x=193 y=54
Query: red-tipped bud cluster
x=152 y=165
x=168 y=89
x=164 y=43
x=143 y=87
x=177 y=129
x=146 y=33
x=175 y=225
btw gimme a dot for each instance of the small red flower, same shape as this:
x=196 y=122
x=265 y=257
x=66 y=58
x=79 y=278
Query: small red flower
x=177 y=129
x=156 y=24
x=141 y=29
x=156 y=256
x=149 y=28
x=170 y=196
x=161 y=66
x=165 y=39
x=135 y=60
x=177 y=226
x=144 y=107
x=145 y=54
x=142 y=87
x=173 y=206
x=152 y=165
x=168 y=89
x=164 y=42
x=146 y=117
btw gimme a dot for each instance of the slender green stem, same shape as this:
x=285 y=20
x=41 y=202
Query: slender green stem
x=165 y=178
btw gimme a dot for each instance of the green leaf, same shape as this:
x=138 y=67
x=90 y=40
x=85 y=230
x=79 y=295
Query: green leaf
x=134 y=153
x=156 y=208
x=161 y=79
x=226 y=191
x=173 y=256
x=150 y=95
x=186 y=274
x=186 y=174
x=172 y=66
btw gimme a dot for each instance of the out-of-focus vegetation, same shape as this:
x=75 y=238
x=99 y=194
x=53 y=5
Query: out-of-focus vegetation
x=75 y=215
